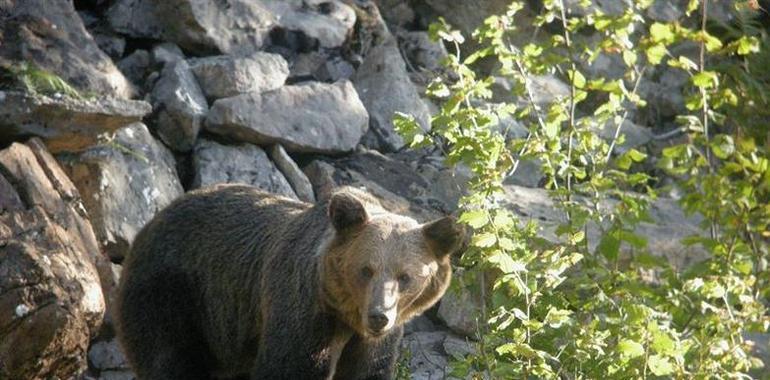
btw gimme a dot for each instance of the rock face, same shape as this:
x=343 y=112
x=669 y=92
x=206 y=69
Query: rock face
x=64 y=123
x=663 y=237
x=232 y=26
x=124 y=182
x=245 y=163
x=180 y=106
x=51 y=35
x=49 y=269
x=298 y=180
x=224 y=76
x=317 y=117
x=383 y=84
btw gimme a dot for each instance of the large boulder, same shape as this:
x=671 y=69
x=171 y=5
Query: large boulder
x=180 y=106
x=123 y=183
x=51 y=300
x=224 y=76
x=245 y=163
x=51 y=35
x=399 y=188
x=66 y=124
x=383 y=84
x=315 y=117
x=232 y=26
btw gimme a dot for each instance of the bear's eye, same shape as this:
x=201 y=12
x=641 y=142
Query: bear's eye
x=404 y=279
x=367 y=273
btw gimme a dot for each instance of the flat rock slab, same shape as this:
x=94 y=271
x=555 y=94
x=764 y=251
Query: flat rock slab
x=51 y=297
x=315 y=117
x=124 y=182
x=66 y=124
x=51 y=35
x=232 y=26
x=243 y=163
x=399 y=188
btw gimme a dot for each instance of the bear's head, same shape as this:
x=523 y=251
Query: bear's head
x=380 y=269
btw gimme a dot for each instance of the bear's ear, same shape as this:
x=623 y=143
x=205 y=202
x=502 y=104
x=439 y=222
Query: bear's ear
x=445 y=236
x=346 y=211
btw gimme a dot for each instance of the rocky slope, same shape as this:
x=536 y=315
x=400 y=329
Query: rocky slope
x=292 y=96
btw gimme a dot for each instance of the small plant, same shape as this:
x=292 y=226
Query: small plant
x=35 y=80
x=581 y=309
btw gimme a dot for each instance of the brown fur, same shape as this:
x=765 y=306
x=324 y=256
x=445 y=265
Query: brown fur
x=231 y=281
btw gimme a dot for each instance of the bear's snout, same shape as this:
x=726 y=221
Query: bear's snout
x=377 y=321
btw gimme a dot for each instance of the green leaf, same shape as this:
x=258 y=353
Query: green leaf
x=723 y=146
x=576 y=78
x=660 y=365
x=629 y=57
x=655 y=53
x=705 y=79
x=661 y=32
x=475 y=218
x=505 y=263
x=484 y=240
x=609 y=246
x=629 y=349
x=691 y=6
x=747 y=45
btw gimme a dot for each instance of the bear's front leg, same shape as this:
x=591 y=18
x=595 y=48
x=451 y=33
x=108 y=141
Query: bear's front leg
x=290 y=350
x=364 y=359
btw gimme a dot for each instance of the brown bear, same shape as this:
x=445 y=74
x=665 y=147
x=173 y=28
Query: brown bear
x=233 y=282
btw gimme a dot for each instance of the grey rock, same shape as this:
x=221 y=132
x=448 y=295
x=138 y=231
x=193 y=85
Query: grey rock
x=117 y=375
x=460 y=309
x=421 y=52
x=112 y=44
x=467 y=15
x=316 y=117
x=383 y=84
x=608 y=7
x=420 y=323
x=135 y=18
x=66 y=124
x=107 y=355
x=397 y=12
x=544 y=89
x=51 y=269
x=123 y=182
x=225 y=76
x=666 y=10
x=335 y=69
x=428 y=353
x=633 y=135
x=298 y=180
x=136 y=65
x=245 y=163
x=166 y=52
x=180 y=106
x=51 y=35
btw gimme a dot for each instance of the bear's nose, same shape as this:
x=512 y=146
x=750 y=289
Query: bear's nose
x=377 y=321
